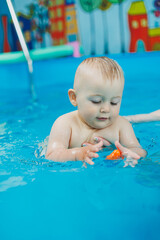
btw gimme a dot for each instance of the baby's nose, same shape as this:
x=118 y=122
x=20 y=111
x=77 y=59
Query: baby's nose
x=105 y=108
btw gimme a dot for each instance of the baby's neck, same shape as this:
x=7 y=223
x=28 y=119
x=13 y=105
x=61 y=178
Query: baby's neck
x=82 y=123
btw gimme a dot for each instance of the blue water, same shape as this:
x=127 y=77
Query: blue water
x=40 y=199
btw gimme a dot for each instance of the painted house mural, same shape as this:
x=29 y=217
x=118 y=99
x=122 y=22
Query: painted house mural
x=71 y=24
x=43 y=22
x=141 y=34
x=101 y=26
x=138 y=26
x=57 y=22
x=122 y=25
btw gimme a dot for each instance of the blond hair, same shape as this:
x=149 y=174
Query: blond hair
x=103 y=66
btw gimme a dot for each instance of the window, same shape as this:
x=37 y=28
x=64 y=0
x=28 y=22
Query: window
x=72 y=38
x=52 y=14
x=68 y=18
x=144 y=22
x=59 y=12
x=27 y=36
x=61 y=41
x=60 y=26
x=53 y=27
x=135 y=24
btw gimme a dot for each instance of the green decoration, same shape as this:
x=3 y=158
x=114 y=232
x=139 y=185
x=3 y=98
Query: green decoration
x=37 y=54
x=105 y=4
x=116 y=1
x=156 y=47
x=90 y=5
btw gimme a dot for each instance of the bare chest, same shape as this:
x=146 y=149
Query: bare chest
x=79 y=136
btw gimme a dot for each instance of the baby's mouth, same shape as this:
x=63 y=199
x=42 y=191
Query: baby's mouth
x=103 y=118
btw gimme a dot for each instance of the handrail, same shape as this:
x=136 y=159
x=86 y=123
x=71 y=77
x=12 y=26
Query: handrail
x=24 y=47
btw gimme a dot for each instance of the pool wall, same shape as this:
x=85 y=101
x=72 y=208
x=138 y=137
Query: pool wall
x=61 y=70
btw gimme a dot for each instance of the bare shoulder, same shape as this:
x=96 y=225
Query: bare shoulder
x=66 y=118
x=124 y=125
x=62 y=127
x=122 y=122
x=61 y=132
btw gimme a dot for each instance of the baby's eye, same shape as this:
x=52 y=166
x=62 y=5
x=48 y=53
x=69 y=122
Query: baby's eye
x=95 y=101
x=113 y=103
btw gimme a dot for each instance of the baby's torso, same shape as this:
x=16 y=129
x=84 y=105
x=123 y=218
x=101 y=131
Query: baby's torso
x=80 y=134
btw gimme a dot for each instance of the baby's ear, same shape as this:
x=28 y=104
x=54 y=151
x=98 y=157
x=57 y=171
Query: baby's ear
x=72 y=97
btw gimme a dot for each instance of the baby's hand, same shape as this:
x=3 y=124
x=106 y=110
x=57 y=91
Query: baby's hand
x=131 y=157
x=87 y=153
x=97 y=140
x=105 y=142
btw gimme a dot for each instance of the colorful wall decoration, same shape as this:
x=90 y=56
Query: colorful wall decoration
x=43 y=22
x=121 y=25
x=100 y=26
x=140 y=30
x=26 y=26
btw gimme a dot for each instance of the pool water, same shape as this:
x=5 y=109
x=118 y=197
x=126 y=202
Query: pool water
x=40 y=199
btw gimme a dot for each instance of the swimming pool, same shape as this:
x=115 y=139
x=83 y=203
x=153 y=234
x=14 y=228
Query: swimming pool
x=45 y=200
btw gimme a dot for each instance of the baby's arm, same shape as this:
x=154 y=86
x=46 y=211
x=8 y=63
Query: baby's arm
x=128 y=139
x=59 y=138
x=153 y=116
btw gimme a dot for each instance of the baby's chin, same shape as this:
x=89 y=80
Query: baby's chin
x=101 y=125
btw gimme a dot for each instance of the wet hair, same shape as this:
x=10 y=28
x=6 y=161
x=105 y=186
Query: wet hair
x=102 y=66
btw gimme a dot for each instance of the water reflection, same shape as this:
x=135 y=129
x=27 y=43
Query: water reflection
x=12 y=182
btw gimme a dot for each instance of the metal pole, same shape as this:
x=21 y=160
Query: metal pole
x=24 y=47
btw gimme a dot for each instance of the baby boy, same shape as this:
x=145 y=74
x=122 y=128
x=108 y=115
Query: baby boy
x=97 y=94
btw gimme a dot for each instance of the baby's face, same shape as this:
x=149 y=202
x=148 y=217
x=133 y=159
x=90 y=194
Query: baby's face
x=99 y=101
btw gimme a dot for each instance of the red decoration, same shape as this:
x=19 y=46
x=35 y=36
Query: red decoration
x=138 y=25
x=6 y=46
x=58 y=35
x=157 y=13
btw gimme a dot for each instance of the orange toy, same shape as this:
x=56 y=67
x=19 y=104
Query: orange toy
x=116 y=154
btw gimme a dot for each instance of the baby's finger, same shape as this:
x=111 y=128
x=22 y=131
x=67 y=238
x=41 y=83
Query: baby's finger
x=119 y=146
x=132 y=165
x=93 y=155
x=135 y=162
x=86 y=144
x=89 y=161
x=97 y=147
x=125 y=164
x=135 y=156
x=84 y=165
x=105 y=142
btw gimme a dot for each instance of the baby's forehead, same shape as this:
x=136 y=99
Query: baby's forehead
x=89 y=73
x=106 y=90
x=96 y=81
x=101 y=65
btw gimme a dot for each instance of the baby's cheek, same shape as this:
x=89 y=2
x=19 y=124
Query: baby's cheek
x=87 y=111
x=91 y=110
x=115 y=111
